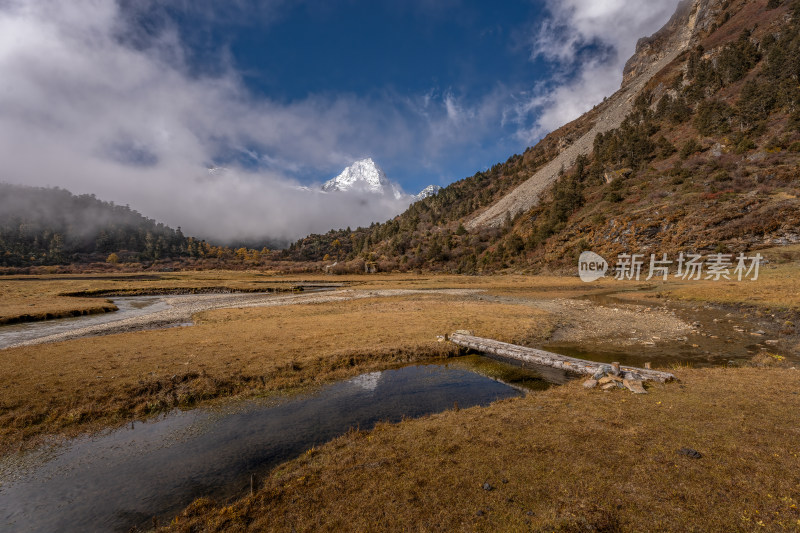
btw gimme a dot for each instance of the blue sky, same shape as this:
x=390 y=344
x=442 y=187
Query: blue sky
x=408 y=58
x=364 y=47
x=133 y=100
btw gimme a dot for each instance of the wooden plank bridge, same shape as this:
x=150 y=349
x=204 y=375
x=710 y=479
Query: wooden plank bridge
x=542 y=357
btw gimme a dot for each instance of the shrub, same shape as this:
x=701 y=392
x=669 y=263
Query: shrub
x=744 y=145
x=690 y=147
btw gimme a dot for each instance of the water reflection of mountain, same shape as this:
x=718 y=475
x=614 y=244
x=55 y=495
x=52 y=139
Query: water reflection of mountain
x=368 y=381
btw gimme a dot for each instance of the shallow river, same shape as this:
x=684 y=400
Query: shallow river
x=125 y=477
x=129 y=306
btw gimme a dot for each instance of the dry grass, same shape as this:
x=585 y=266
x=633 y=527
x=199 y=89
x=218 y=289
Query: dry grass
x=88 y=383
x=22 y=306
x=36 y=297
x=566 y=459
x=778 y=286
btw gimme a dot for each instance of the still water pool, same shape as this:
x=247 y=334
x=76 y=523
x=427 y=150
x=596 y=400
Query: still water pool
x=125 y=477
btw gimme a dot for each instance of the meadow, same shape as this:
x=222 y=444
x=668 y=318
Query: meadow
x=564 y=459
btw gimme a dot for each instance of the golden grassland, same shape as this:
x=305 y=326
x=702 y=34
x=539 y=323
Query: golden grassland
x=35 y=297
x=777 y=287
x=573 y=460
x=566 y=459
x=22 y=306
x=88 y=383
x=32 y=298
x=40 y=295
x=562 y=460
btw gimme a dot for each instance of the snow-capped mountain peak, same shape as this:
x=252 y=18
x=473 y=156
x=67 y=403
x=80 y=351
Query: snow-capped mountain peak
x=430 y=190
x=364 y=176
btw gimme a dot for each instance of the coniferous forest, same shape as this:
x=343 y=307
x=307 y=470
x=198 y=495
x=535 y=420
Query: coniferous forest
x=47 y=226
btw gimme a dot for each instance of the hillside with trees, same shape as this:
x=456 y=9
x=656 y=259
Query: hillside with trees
x=707 y=160
x=43 y=227
x=49 y=226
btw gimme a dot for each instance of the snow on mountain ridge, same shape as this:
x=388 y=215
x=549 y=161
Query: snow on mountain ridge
x=364 y=175
x=430 y=190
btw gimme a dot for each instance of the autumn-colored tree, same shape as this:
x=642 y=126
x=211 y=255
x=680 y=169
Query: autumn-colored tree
x=337 y=246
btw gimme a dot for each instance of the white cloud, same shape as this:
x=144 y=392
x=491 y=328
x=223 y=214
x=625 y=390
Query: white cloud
x=590 y=40
x=84 y=108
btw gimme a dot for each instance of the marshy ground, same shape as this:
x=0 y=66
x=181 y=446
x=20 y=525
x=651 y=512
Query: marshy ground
x=560 y=459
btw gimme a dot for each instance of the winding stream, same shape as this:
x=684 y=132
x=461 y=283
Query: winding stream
x=125 y=477
x=129 y=306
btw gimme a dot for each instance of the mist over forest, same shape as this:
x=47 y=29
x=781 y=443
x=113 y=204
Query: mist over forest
x=51 y=225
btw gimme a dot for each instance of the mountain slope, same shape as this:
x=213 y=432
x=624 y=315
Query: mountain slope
x=676 y=37
x=698 y=151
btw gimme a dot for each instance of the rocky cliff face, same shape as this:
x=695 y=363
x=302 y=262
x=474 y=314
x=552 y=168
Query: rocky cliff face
x=692 y=20
x=691 y=17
